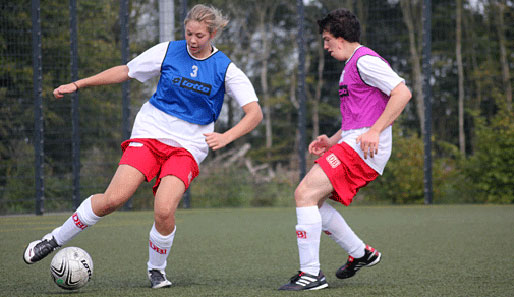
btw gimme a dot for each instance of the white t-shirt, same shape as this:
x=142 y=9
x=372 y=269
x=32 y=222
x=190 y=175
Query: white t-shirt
x=151 y=122
x=377 y=73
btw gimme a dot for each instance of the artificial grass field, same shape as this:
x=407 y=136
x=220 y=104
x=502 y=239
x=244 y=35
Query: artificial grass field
x=457 y=250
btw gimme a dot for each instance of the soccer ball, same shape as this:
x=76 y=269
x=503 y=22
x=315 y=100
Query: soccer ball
x=71 y=268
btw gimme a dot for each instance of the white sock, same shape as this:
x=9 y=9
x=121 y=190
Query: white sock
x=82 y=218
x=159 y=249
x=336 y=227
x=308 y=233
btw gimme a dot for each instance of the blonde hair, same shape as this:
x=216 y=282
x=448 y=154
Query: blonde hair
x=211 y=16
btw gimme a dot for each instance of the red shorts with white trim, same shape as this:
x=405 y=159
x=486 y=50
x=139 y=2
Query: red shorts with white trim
x=346 y=171
x=154 y=158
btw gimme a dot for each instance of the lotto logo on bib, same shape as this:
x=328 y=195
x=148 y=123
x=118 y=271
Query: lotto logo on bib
x=333 y=160
x=195 y=86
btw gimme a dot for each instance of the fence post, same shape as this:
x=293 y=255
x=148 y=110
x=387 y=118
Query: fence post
x=301 y=88
x=166 y=20
x=186 y=199
x=75 y=124
x=427 y=91
x=183 y=14
x=38 y=108
x=124 y=60
x=125 y=86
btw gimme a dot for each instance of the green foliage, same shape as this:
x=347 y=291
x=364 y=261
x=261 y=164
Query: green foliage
x=450 y=184
x=225 y=187
x=403 y=179
x=19 y=191
x=486 y=177
x=19 y=188
x=221 y=188
x=491 y=167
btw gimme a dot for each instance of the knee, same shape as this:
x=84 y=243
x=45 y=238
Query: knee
x=300 y=196
x=164 y=214
x=306 y=196
x=105 y=204
x=164 y=221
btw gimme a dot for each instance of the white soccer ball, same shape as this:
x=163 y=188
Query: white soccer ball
x=71 y=268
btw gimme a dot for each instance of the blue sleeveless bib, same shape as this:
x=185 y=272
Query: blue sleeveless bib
x=190 y=89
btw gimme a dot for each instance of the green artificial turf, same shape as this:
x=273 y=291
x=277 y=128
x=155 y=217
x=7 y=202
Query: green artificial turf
x=457 y=250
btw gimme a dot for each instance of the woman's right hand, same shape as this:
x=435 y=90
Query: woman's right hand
x=65 y=89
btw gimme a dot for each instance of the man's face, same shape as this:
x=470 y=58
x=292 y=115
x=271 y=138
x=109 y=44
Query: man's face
x=333 y=45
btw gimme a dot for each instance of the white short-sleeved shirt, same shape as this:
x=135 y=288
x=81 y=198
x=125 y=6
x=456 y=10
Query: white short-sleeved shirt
x=377 y=73
x=151 y=122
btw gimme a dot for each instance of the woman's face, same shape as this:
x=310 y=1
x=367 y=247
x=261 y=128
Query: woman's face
x=198 y=39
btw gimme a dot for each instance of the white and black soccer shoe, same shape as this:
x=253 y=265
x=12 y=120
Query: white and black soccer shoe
x=39 y=249
x=158 y=279
x=371 y=257
x=305 y=281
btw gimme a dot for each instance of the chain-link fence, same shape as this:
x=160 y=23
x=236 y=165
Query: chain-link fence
x=61 y=151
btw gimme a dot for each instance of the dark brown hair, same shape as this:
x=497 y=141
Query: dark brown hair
x=341 y=23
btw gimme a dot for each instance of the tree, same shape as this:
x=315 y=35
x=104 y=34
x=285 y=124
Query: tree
x=490 y=168
x=412 y=17
x=499 y=7
x=265 y=13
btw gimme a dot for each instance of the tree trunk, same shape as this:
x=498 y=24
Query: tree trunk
x=500 y=26
x=407 y=7
x=238 y=55
x=319 y=87
x=265 y=15
x=362 y=14
x=316 y=98
x=476 y=79
x=469 y=24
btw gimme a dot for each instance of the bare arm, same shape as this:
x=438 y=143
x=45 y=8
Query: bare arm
x=116 y=74
x=252 y=118
x=400 y=96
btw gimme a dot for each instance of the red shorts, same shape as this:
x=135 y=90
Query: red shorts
x=154 y=158
x=346 y=171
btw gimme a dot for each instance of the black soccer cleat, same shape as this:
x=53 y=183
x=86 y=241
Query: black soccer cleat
x=39 y=249
x=305 y=281
x=370 y=258
x=158 y=279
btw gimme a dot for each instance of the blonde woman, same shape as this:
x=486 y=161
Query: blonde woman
x=172 y=132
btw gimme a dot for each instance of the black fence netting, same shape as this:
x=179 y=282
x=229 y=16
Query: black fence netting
x=54 y=153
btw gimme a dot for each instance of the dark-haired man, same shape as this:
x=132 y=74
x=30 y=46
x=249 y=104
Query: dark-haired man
x=372 y=96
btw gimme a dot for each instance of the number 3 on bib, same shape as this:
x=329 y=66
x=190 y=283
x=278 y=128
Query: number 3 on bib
x=194 y=72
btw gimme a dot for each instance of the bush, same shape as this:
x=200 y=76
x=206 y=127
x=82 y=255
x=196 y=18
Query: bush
x=491 y=167
x=236 y=187
x=18 y=192
x=403 y=178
